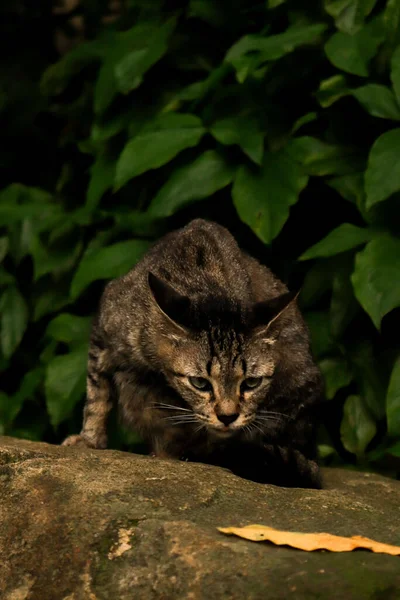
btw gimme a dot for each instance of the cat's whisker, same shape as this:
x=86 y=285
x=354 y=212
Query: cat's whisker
x=199 y=428
x=181 y=418
x=269 y=418
x=169 y=407
x=271 y=412
x=254 y=423
x=182 y=422
x=247 y=429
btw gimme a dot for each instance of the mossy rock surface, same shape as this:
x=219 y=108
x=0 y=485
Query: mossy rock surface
x=106 y=525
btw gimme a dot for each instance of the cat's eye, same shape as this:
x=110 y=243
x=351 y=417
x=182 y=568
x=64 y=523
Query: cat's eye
x=200 y=383
x=251 y=383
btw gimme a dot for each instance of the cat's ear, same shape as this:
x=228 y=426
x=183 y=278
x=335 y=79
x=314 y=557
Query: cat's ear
x=171 y=303
x=266 y=314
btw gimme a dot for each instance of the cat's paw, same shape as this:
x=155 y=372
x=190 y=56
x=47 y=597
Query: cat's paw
x=308 y=470
x=78 y=440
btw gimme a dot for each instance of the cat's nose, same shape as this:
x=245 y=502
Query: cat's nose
x=228 y=419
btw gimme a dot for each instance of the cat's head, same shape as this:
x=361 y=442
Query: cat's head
x=219 y=358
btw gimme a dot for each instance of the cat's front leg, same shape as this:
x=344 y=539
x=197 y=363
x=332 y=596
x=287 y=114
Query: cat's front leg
x=291 y=468
x=77 y=440
x=274 y=464
x=168 y=444
x=98 y=401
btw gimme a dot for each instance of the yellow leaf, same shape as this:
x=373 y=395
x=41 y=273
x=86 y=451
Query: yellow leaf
x=309 y=541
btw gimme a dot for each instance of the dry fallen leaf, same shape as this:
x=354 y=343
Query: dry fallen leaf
x=309 y=541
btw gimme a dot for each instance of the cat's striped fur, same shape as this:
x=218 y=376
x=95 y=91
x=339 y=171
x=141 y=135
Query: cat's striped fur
x=197 y=311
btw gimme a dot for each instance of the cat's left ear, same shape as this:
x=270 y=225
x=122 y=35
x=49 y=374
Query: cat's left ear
x=170 y=302
x=266 y=315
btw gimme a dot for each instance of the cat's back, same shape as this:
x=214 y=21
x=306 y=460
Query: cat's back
x=202 y=258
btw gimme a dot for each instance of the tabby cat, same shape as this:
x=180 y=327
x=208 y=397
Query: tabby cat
x=208 y=358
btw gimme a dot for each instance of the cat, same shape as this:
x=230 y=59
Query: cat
x=208 y=358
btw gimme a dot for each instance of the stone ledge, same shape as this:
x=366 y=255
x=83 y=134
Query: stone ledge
x=97 y=525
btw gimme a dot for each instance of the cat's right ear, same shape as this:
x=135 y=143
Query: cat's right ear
x=267 y=314
x=172 y=304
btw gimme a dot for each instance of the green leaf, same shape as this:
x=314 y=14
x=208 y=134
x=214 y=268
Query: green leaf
x=395 y=69
x=103 y=130
x=391 y=22
x=65 y=384
x=243 y=131
x=350 y=187
x=5 y=409
x=3 y=247
x=19 y=203
x=30 y=383
x=393 y=402
x=206 y=175
x=99 y=240
x=107 y=263
x=304 y=120
x=6 y=278
x=352 y=53
x=17 y=193
x=50 y=300
x=349 y=15
x=321 y=339
x=376 y=279
x=54 y=261
x=56 y=77
x=151 y=149
x=136 y=222
x=263 y=198
x=20 y=239
x=357 y=428
x=34 y=431
x=343 y=238
x=14 y=320
x=337 y=375
x=325 y=450
x=200 y=89
x=105 y=88
x=320 y=158
x=130 y=69
x=317 y=282
x=4 y=363
x=69 y=328
x=368 y=375
x=275 y=46
x=252 y=50
x=332 y=89
x=102 y=175
x=208 y=11
x=382 y=177
x=378 y=101
x=48 y=353
x=344 y=305
x=130 y=55
x=394 y=450
x=121 y=44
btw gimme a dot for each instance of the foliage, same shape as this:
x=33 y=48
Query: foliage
x=281 y=121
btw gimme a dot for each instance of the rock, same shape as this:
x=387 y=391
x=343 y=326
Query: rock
x=98 y=525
